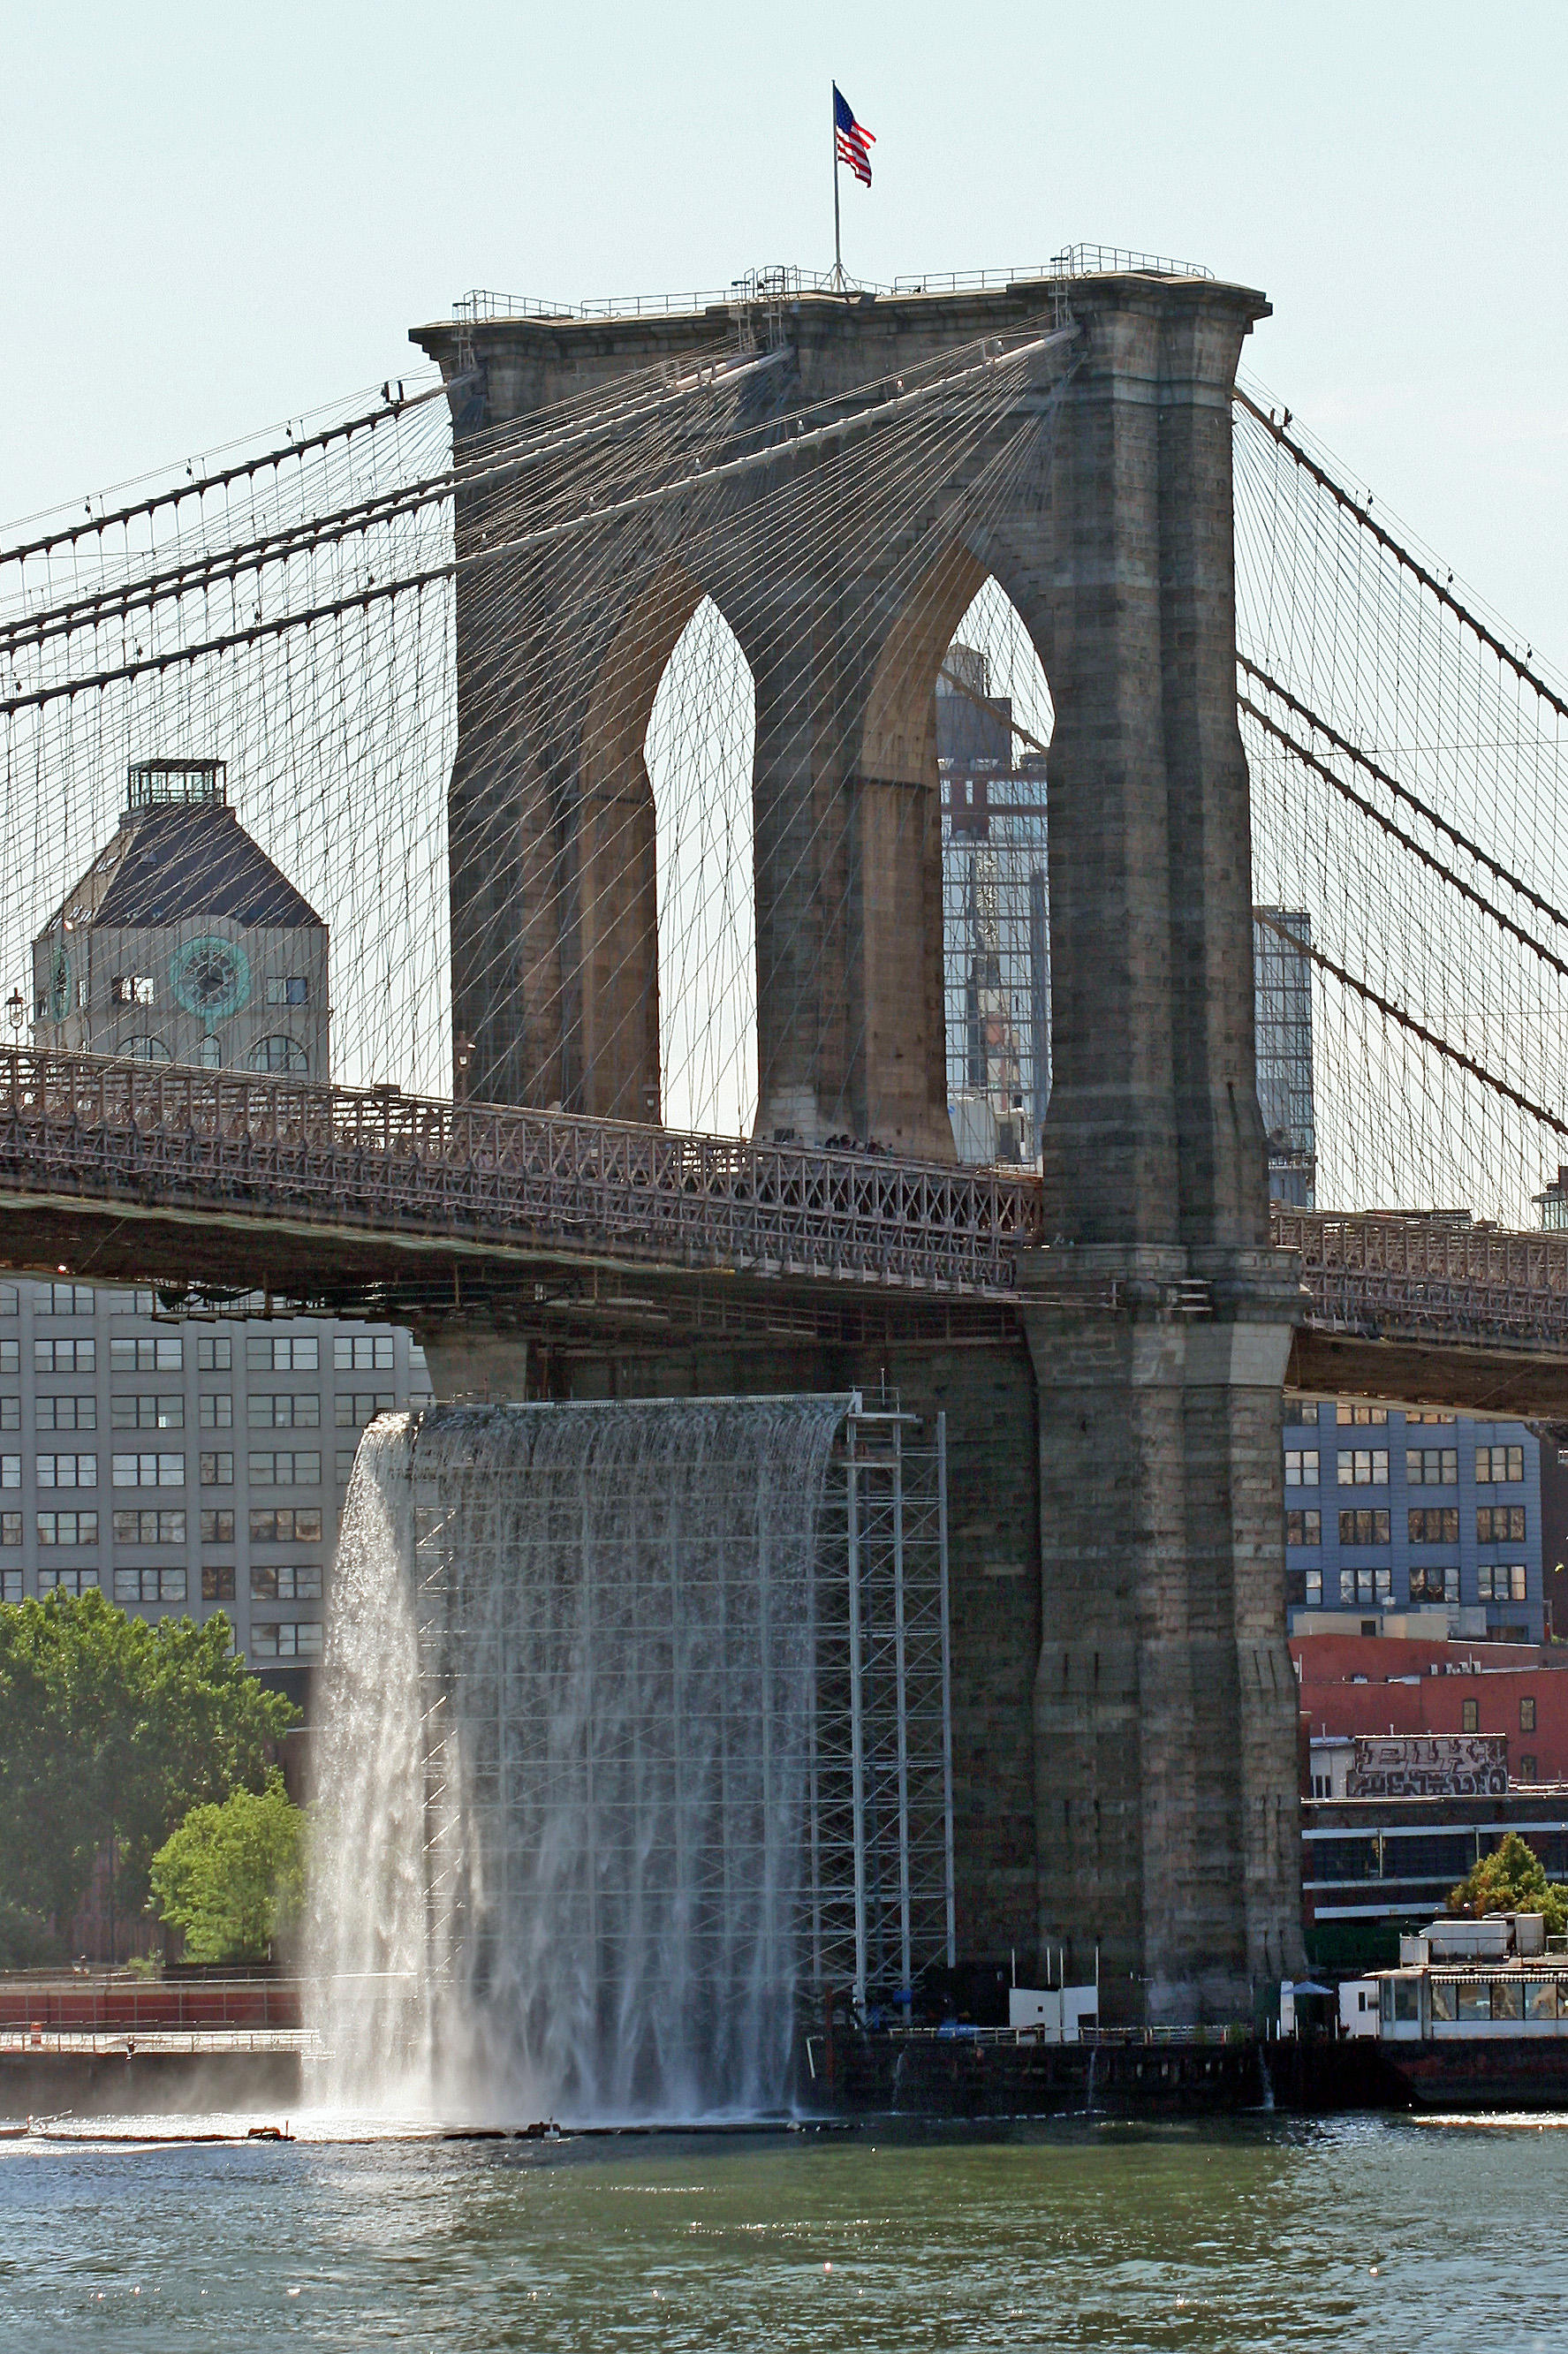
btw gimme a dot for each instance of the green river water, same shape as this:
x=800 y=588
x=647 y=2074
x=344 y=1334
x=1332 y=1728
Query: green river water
x=1357 y=2233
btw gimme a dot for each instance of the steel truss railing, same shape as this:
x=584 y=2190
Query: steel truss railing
x=1436 y=1276
x=374 y=1160
x=89 y=1126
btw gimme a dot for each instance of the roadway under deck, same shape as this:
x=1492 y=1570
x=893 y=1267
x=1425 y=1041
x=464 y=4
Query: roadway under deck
x=572 y=1300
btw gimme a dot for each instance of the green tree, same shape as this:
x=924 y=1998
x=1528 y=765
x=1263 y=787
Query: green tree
x=232 y=1877
x=1512 y=1880
x=111 y=1728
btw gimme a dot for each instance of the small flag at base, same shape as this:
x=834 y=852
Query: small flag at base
x=854 y=142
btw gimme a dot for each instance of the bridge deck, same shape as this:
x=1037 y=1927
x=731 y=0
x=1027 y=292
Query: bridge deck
x=421 y=1168
x=123 y=1169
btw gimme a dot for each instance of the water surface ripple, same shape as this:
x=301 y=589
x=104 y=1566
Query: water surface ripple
x=1363 y=2234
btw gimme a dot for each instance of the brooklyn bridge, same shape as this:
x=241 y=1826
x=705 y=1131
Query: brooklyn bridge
x=588 y=688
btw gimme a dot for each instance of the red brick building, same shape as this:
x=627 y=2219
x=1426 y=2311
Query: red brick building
x=1377 y=1684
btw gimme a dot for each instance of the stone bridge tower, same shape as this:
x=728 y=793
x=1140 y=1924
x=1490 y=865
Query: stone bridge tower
x=1157 y=1710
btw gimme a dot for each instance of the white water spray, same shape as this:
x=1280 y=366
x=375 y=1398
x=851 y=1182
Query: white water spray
x=562 y=1758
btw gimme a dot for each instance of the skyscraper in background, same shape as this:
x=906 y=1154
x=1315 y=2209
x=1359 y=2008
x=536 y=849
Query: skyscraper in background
x=182 y=1456
x=996 y=935
x=1282 y=964
x=996 y=944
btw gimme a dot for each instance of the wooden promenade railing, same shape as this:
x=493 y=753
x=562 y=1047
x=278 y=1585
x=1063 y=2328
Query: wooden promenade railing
x=377 y=1160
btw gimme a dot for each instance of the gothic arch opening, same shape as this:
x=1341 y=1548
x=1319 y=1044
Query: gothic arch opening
x=699 y=753
x=994 y=722
x=955 y=910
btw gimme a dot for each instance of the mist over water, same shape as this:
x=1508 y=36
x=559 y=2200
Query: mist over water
x=561 y=1760
x=367 y=1943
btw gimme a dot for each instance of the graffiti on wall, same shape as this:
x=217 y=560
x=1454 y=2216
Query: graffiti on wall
x=1428 y=1766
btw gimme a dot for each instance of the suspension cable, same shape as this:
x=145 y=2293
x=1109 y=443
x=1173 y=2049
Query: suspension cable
x=1397 y=833
x=1411 y=564
x=1407 y=1022
x=1413 y=800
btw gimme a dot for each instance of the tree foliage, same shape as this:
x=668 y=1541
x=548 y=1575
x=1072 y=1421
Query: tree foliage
x=1512 y=1880
x=232 y=1877
x=113 y=1728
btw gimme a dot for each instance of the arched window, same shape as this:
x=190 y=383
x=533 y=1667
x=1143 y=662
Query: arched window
x=698 y=750
x=278 y=1053
x=148 y=1050
x=994 y=720
x=211 y=1056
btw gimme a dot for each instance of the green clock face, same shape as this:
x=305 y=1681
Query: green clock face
x=210 y=977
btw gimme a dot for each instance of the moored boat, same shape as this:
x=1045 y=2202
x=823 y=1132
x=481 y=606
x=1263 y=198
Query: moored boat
x=1476 y=2016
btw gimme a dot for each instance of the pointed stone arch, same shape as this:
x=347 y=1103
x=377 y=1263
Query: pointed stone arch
x=617 y=861
x=699 y=752
x=995 y=720
x=635 y=1032
x=899 y=835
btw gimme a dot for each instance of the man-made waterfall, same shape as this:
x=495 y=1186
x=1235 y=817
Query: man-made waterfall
x=562 y=1757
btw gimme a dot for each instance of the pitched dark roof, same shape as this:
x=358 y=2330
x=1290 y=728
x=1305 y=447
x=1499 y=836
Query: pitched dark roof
x=177 y=861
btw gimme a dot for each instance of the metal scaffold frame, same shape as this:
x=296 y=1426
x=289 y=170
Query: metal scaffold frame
x=879 y=1897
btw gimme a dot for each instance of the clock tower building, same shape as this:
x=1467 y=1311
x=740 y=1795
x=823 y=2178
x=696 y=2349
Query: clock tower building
x=183 y=943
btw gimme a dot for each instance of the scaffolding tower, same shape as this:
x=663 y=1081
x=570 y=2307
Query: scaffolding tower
x=879 y=1889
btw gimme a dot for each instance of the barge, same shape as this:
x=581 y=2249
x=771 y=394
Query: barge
x=1476 y=2016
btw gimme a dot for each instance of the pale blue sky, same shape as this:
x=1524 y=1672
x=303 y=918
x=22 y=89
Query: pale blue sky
x=215 y=217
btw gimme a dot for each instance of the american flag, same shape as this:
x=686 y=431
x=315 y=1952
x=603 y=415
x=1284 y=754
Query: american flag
x=854 y=141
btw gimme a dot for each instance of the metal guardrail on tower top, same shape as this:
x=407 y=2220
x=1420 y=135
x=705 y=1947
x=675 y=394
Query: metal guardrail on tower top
x=484 y=303
x=86 y=1126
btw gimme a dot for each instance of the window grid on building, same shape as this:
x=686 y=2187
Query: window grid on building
x=284 y=1410
x=147 y=1469
x=153 y=1526
x=65 y=1471
x=147 y=1410
x=284 y=1467
x=56 y=1413
x=1363 y=1467
x=83 y=1361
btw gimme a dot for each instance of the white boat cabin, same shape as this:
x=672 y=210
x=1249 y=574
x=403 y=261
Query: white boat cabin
x=1466 y=1979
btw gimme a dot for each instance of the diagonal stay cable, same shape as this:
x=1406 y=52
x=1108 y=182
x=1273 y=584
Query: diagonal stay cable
x=1403 y=793
x=1397 y=833
x=307 y=533
x=570 y=527
x=1396 y=1013
x=198 y=487
x=1402 y=554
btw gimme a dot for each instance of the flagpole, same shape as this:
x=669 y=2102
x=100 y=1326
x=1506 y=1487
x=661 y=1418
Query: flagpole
x=838 y=254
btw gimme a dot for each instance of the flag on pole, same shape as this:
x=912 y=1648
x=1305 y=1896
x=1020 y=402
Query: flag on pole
x=853 y=141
